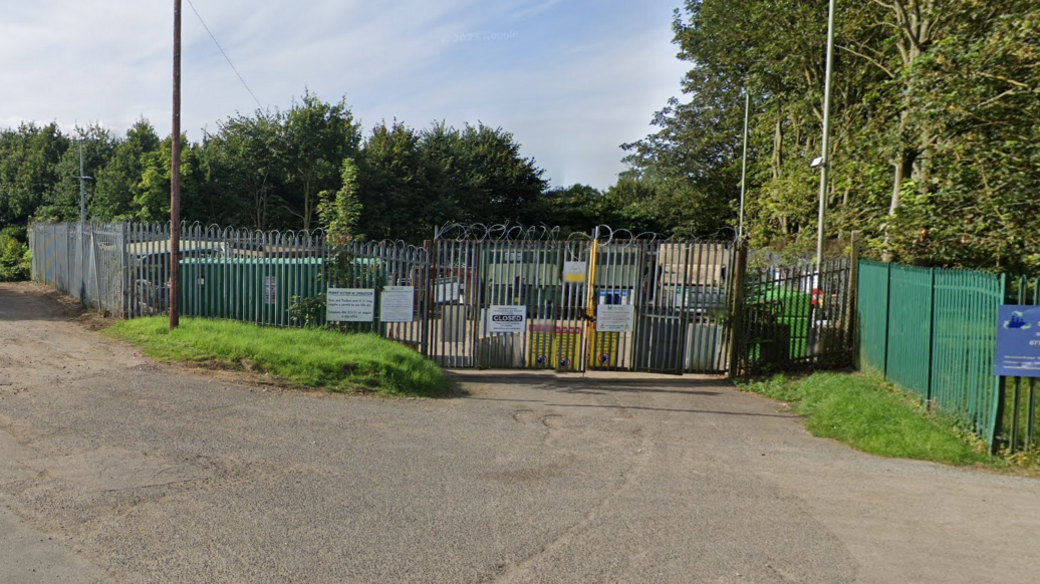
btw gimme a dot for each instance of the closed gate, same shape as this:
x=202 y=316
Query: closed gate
x=524 y=299
x=507 y=298
x=796 y=316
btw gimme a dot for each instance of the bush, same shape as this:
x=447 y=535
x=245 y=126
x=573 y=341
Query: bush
x=15 y=259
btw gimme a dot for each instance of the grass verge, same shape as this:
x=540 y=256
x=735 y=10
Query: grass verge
x=872 y=416
x=305 y=357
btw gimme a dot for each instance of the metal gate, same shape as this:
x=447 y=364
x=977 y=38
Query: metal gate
x=524 y=299
x=499 y=297
x=795 y=316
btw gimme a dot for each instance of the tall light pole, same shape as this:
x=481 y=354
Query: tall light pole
x=825 y=156
x=175 y=173
x=82 y=186
x=743 y=163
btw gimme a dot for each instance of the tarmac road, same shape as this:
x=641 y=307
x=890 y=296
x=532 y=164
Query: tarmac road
x=117 y=470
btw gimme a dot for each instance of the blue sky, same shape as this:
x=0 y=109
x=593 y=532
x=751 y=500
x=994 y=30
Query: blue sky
x=571 y=79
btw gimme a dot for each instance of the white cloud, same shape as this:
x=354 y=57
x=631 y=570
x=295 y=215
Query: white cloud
x=571 y=93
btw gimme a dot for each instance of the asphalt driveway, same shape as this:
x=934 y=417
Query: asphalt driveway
x=115 y=469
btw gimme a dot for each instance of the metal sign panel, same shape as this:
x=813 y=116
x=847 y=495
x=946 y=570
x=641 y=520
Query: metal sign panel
x=507 y=319
x=574 y=272
x=615 y=318
x=350 y=305
x=397 y=304
x=270 y=289
x=447 y=290
x=1018 y=341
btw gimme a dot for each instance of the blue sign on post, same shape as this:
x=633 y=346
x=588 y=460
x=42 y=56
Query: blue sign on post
x=1018 y=341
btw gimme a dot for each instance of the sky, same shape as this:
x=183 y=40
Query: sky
x=570 y=79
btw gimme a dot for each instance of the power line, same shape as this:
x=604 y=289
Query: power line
x=228 y=59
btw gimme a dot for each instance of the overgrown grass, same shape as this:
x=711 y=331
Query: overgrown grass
x=872 y=416
x=305 y=357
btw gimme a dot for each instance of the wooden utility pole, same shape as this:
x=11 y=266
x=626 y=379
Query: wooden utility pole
x=175 y=173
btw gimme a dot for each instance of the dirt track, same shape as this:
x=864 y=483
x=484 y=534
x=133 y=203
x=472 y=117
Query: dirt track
x=114 y=469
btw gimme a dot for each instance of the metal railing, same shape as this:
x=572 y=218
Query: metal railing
x=933 y=332
x=82 y=260
x=795 y=317
x=440 y=298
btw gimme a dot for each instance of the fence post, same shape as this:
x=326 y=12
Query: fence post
x=736 y=310
x=888 y=314
x=852 y=316
x=430 y=293
x=97 y=270
x=997 y=421
x=931 y=336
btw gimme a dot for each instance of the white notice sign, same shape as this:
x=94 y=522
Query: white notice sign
x=574 y=272
x=350 y=305
x=507 y=319
x=397 y=304
x=615 y=318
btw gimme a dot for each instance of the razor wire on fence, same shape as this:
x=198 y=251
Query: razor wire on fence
x=667 y=297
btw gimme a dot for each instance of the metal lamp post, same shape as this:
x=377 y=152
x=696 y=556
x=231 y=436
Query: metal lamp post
x=825 y=160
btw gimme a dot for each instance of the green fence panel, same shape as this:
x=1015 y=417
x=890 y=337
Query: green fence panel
x=964 y=341
x=910 y=328
x=872 y=312
x=251 y=290
x=933 y=332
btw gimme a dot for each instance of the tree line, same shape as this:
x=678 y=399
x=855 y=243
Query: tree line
x=934 y=159
x=935 y=108
x=305 y=167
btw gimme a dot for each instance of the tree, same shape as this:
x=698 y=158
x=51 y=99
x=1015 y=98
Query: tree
x=340 y=211
x=245 y=173
x=152 y=193
x=29 y=160
x=62 y=203
x=392 y=185
x=577 y=208
x=318 y=136
x=477 y=174
x=117 y=183
x=933 y=115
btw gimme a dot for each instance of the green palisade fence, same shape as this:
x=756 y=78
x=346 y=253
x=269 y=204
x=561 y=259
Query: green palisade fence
x=965 y=339
x=933 y=332
x=872 y=303
x=909 y=328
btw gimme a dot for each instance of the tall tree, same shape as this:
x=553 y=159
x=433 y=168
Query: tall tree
x=152 y=193
x=245 y=173
x=63 y=202
x=318 y=137
x=392 y=185
x=29 y=160
x=117 y=183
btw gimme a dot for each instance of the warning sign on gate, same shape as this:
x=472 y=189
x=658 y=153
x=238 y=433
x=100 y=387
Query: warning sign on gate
x=615 y=318
x=574 y=272
x=506 y=319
